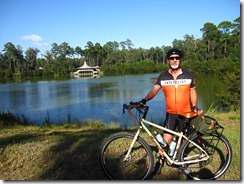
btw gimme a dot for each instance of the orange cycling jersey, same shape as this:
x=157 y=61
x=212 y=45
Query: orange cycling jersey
x=177 y=92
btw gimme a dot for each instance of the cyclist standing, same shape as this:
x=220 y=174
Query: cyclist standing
x=180 y=93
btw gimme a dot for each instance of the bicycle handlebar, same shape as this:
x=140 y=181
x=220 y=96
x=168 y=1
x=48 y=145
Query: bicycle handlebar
x=141 y=108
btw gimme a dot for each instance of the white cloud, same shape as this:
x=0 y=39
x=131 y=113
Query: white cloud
x=32 y=37
x=36 y=39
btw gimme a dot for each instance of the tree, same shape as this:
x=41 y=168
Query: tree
x=88 y=52
x=190 y=47
x=31 y=57
x=79 y=51
x=235 y=41
x=126 y=44
x=159 y=55
x=210 y=37
x=126 y=47
x=13 y=56
x=48 y=56
x=178 y=44
x=55 y=50
x=62 y=51
x=225 y=28
x=110 y=49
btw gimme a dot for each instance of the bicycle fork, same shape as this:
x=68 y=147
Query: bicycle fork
x=128 y=155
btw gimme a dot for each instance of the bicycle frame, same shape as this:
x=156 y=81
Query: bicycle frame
x=180 y=136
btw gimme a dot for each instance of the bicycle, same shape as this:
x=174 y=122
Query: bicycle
x=127 y=156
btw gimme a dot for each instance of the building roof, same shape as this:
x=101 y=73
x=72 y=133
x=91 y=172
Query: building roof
x=85 y=65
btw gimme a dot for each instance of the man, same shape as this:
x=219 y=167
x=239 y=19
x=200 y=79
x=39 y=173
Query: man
x=179 y=89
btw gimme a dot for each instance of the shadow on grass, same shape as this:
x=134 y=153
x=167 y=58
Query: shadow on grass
x=75 y=156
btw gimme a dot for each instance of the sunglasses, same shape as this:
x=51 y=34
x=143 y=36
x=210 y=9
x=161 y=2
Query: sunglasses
x=172 y=58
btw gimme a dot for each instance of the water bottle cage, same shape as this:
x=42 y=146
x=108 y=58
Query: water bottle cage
x=165 y=148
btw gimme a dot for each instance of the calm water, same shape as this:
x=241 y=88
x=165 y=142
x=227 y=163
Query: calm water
x=80 y=99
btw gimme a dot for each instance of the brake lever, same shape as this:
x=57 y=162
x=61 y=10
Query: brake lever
x=124 y=107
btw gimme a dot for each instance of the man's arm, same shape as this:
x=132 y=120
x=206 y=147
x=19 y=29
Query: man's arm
x=153 y=92
x=194 y=101
x=193 y=97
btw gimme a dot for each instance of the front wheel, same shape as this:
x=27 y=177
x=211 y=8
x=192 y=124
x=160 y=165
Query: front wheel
x=138 y=166
x=219 y=151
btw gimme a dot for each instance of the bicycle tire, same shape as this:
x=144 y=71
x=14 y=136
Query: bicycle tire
x=114 y=148
x=219 y=150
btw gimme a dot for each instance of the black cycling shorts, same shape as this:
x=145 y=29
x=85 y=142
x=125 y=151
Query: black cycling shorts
x=174 y=121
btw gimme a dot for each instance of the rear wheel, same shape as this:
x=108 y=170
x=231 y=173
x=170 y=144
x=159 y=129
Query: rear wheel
x=138 y=166
x=219 y=150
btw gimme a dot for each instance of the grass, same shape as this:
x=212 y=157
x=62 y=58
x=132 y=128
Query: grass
x=71 y=151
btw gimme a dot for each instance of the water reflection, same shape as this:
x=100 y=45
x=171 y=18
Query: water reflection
x=80 y=99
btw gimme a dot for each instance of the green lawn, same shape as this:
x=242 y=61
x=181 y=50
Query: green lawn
x=72 y=152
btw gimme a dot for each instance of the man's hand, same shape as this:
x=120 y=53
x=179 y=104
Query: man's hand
x=197 y=110
x=143 y=102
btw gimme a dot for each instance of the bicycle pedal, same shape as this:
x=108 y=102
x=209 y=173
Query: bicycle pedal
x=187 y=171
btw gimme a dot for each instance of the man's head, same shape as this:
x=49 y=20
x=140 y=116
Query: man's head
x=174 y=58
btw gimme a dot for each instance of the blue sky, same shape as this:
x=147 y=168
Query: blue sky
x=147 y=23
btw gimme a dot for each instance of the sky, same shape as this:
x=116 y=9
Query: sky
x=147 y=23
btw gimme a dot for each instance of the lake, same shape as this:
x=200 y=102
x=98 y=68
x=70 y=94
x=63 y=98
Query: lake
x=91 y=98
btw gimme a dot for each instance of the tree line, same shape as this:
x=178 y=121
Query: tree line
x=218 y=46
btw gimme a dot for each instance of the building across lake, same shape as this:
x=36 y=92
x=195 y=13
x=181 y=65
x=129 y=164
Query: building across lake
x=86 y=71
